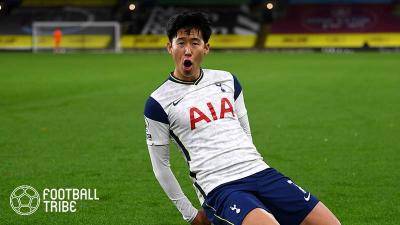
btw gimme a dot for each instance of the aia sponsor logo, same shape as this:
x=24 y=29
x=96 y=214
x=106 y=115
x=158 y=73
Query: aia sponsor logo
x=196 y=115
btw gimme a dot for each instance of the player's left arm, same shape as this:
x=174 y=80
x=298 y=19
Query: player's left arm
x=240 y=108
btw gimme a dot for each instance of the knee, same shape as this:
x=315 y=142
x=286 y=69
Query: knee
x=336 y=221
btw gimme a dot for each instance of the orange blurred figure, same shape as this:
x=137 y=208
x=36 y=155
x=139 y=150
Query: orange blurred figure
x=57 y=36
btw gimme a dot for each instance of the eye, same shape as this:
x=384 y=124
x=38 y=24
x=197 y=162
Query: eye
x=196 y=43
x=180 y=43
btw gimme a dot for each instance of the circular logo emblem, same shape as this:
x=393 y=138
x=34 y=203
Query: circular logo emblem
x=24 y=200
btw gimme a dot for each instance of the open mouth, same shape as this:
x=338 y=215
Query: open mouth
x=187 y=63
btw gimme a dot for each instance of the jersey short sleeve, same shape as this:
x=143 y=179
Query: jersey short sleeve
x=237 y=87
x=239 y=99
x=157 y=123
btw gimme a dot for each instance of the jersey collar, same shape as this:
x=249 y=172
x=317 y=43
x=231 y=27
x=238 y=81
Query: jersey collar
x=177 y=80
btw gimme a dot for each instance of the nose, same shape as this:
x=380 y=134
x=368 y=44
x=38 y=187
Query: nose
x=188 y=51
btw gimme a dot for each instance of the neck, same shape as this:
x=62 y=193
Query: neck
x=187 y=77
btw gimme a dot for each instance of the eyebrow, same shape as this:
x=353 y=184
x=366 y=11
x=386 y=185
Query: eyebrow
x=192 y=39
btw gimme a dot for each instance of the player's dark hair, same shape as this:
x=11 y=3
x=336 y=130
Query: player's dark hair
x=188 y=21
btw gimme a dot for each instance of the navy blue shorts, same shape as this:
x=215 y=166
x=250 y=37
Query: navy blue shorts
x=228 y=204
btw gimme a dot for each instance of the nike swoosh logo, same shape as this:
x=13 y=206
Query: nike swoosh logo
x=308 y=197
x=176 y=102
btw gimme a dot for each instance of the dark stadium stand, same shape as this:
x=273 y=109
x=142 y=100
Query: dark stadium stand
x=232 y=19
x=19 y=20
x=236 y=23
x=342 y=18
x=337 y=25
x=84 y=3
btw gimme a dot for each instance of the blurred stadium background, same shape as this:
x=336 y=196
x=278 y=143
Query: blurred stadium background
x=237 y=24
x=329 y=121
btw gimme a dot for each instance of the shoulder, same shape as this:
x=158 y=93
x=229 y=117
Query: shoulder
x=225 y=75
x=153 y=108
x=219 y=74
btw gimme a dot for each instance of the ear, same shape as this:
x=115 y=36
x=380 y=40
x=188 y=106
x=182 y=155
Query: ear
x=169 y=47
x=206 y=48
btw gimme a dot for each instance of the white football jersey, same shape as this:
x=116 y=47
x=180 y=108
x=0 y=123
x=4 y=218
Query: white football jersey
x=201 y=117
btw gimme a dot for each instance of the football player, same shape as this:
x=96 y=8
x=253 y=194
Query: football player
x=203 y=112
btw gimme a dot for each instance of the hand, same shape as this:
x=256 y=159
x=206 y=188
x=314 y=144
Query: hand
x=200 y=219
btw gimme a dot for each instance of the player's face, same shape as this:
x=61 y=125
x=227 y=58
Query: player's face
x=188 y=49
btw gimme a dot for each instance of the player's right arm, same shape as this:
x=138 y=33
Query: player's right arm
x=159 y=155
x=157 y=132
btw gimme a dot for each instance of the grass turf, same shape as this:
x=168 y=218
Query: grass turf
x=330 y=122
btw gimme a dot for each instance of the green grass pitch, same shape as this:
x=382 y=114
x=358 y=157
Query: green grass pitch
x=330 y=122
